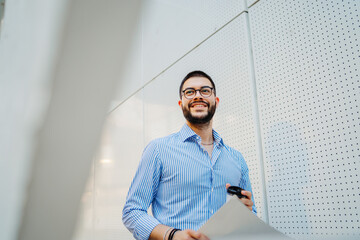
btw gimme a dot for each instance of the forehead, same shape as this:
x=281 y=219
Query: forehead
x=197 y=82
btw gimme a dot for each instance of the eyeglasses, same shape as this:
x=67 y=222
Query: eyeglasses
x=190 y=93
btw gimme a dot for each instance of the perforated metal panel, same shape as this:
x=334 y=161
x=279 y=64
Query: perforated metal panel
x=234 y=119
x=225 y=58
x=307 y=72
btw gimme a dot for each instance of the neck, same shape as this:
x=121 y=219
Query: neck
x=203 y=130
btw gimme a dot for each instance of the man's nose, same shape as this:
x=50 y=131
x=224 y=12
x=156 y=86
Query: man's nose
x=197 y=94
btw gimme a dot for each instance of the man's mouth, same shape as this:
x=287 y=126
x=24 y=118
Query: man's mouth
x=199 y=105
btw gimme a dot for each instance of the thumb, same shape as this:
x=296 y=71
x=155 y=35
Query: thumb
x=228 y=185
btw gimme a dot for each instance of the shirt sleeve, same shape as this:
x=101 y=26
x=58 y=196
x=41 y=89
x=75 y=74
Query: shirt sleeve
x=141 y=194
x=245 y=182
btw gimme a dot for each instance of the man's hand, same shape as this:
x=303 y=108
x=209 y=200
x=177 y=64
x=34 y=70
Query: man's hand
x=247 y=201
x=189 y=234
x=160 y=230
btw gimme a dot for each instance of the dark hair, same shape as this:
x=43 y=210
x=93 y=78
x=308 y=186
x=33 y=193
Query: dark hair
x=196 y=73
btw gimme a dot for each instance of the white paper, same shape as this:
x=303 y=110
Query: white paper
x=235 y=221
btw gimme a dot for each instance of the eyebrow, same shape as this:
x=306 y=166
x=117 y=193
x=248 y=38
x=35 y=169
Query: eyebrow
x=199 y=88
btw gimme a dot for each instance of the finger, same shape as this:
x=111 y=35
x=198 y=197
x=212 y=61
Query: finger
x=194 y=234
x=248 y=203
x=246 y=193
x=245 y=201
x=228 y=185
x=203 y=237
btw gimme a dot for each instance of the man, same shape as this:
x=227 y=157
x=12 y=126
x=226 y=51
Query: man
x=184 y=176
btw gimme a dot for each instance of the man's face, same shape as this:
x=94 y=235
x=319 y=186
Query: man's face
x=198 y=110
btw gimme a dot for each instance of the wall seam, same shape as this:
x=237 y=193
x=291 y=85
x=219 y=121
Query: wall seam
x=256 y=114
x=142 y=82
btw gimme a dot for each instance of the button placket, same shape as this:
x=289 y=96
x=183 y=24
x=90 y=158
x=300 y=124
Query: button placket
x=211 y=190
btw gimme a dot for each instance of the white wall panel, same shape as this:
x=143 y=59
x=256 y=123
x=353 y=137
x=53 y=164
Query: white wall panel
x=166 y=31
x=172 y=28
x=131 y=73
x=225 y=58
x=162 y=115
x=307 y=71
x=114 y=169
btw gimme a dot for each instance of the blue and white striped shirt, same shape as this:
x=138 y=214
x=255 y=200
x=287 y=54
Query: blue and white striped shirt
x=184 y=186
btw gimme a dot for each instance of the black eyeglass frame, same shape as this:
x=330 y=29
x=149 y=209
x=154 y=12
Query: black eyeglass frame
x=199 y=90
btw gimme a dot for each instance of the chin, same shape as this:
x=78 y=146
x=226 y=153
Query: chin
x=199 y=116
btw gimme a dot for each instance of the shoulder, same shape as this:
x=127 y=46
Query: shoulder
x=160 y=143
x=236 y=154
x=233 y=151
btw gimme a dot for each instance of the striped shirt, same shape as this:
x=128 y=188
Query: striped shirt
x=182 y=184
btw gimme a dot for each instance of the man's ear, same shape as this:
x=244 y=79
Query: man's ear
x=180 y=103
x=217 y=100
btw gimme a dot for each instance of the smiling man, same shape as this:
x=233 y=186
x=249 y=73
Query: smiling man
x=184 y=176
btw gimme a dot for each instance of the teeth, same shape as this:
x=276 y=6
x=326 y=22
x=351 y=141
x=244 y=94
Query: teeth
x=199 y=105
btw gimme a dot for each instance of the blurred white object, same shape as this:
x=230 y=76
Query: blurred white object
x=235 y=221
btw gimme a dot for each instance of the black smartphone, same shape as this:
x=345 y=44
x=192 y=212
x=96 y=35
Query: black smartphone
x=234 y=190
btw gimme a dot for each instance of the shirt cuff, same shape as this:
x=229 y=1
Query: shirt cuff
x=254 y=210
x=144 y=227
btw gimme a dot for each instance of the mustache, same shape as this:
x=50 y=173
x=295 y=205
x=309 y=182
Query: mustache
x=196 y=102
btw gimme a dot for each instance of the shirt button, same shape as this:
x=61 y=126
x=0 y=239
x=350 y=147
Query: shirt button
x=212 y=211
x=212 y=189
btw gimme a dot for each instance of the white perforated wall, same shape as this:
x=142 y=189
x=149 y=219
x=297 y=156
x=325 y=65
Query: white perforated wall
x=307 y=72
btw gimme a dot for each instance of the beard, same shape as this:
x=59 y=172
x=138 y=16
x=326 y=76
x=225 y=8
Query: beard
x=199 y=120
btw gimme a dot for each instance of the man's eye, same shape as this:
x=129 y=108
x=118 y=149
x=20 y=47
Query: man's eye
x=189 y=92
x=205 y=90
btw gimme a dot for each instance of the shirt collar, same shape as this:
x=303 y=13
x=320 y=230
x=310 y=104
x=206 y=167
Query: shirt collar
x=218 y=140
x=187 y=133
